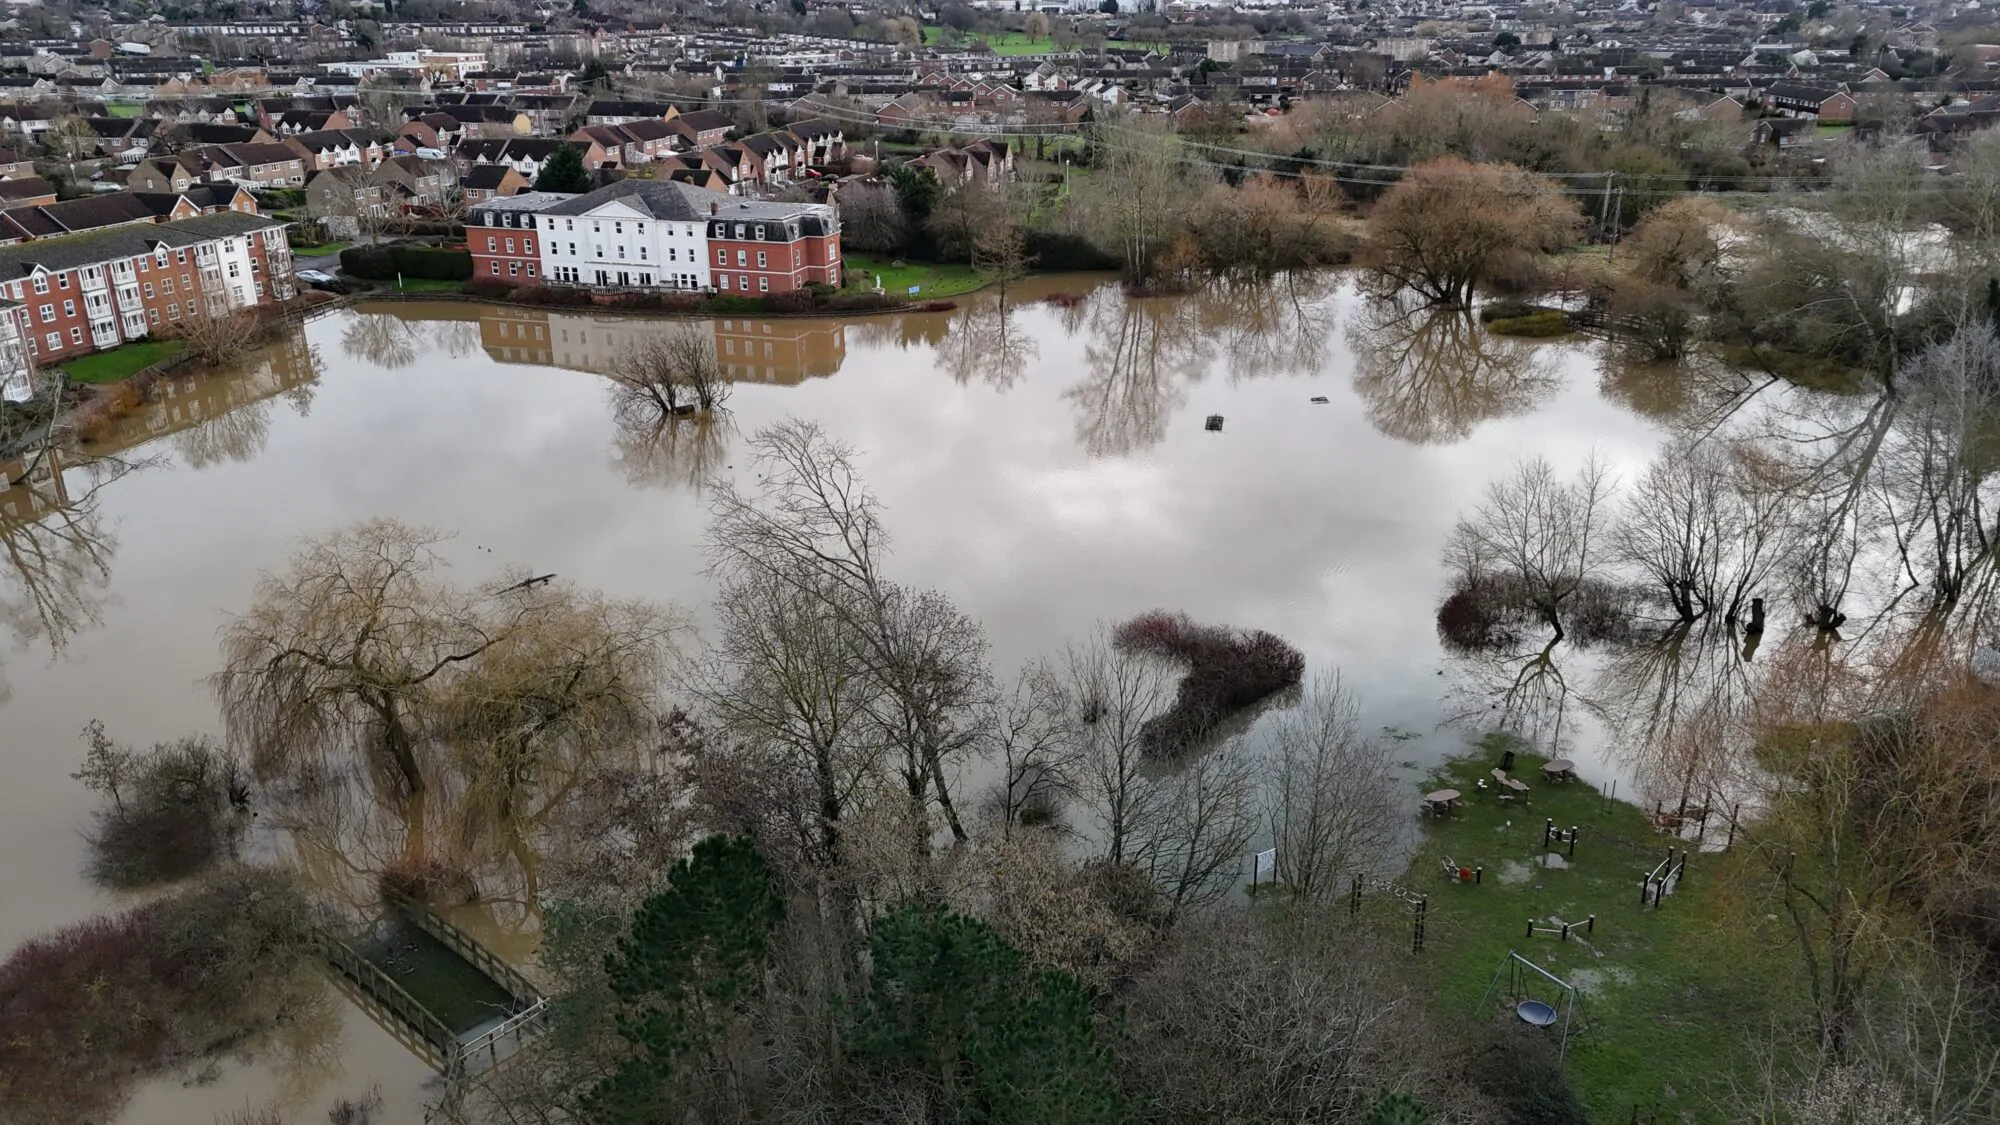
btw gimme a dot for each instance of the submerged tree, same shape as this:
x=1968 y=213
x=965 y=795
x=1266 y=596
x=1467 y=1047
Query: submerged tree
x=1449 y=225
x=667 y=374
x=1542 y=536
x=1329 y=799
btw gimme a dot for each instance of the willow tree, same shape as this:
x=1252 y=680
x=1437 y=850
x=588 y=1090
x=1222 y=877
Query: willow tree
x=361 y=646
x=1449 y=225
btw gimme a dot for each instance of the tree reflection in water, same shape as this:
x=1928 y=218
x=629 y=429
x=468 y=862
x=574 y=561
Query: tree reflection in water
x=1140 y=356
x=678 y=452
x=986 y=344
x=55 y=548
x=385 y=339
x=1430 y=375
x=1270 y=326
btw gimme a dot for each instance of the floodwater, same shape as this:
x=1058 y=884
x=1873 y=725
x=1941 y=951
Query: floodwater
x=1049 y=469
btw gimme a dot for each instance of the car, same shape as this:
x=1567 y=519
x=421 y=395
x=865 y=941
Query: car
x=318 y=279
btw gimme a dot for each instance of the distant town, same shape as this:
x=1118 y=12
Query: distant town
x=707 y=147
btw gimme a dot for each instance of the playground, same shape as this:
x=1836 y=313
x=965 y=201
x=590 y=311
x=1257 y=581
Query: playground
x=1668 y=999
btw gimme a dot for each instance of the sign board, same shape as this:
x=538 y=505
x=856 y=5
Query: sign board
x=913 y=289
x=1266 y=865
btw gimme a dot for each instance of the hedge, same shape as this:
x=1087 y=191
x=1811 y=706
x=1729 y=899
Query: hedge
x=811 y=299
x=384 y=263
x=1056 y=251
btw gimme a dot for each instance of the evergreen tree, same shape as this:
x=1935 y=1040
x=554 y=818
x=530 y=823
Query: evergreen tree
x=564 y=171
x=990 y=1039
x=693 y=959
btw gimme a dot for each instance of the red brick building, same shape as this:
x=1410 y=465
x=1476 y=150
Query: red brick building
x=504 y=236
x=756 y=247
x=87 y=292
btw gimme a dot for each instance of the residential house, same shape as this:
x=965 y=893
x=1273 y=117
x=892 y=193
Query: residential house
x=26 y=191
x=606 y=111
x=271 y=164
x=96 y=290
x=823 y=141
x=492 y=181
x=1823 y=103
x=702 y=128
x=988 y=164
x=414 y=182
x=345 y=195
x=525 y=155
x=505 y=236
x=331 y=148
x=167 y=173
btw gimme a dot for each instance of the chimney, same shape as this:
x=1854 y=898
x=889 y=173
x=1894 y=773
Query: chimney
x=714 y=208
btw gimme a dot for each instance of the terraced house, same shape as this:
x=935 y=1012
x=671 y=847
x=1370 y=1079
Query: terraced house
x=87 y=292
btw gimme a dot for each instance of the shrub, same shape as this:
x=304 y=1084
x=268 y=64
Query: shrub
x=384 y=263
x=737 y=305
x=1521 y=1074
x=93 y=1007
x=1541 y=323
x=1472 y=618
x=489 y=289
x=172 y=819
x=552 y=296
x=1055 y=250
x=1227 y=671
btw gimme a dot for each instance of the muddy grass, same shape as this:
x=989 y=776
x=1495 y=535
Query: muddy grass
x=1673 y=1000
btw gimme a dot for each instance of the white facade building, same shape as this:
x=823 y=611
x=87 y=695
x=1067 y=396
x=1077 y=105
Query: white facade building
x=634 y=234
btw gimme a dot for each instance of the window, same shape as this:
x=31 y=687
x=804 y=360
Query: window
x=739 y=230
x=510 y=246
x=149 y=291
x=721 y=259
x=234 y=269
x=513 y=269
x=621 y=251
x=570 y=224
x=144 y=264
x=722 y=281
x=763 y=285
x=167 y=285
x=527 y=246
x=62 y=281
x=760 y=259
x=642 y=253
x=190 y=308
x=181 y=257
x=743 y=257
x=531 y=269
x=673 y=255
x=55 y=341
x=743 y=281
x=492 y=244
x=495 y=267
x=599 y=251
x=260 y=289
x=617 y=228
x=173 y=312
x=760 y=230
x=69 y=308
x=41 y=283
x=572 y=248
x=153 y=315
x=639 y=227
x=76 y=335
x=48 y=313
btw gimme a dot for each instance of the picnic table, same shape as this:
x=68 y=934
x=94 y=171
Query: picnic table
x=1442 y=800
x=1559 y=769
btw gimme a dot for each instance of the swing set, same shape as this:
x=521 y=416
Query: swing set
x=1531 y=1010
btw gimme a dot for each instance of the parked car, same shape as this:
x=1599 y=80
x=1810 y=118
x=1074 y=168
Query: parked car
x=318 y=279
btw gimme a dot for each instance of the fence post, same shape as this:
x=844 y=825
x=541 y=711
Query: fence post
x=1354 y=898
x=1417 y=930
x=1572 y=841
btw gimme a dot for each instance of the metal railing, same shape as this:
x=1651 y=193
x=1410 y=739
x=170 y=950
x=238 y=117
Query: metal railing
x=517 y=1027
x=465 y=945
x=382 y=988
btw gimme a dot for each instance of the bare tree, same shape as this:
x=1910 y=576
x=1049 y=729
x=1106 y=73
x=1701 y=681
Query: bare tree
x=1704 y=524
x=667 y=374
x=1329 y=797
x=1000 y=255
x=212 y=336
x=812 y=522
x=1194 y=844
x=1542 y=532
x=1037 y=752
x=1431 y=375
x=1110 y=697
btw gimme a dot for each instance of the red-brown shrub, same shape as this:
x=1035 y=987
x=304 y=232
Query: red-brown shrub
x=1227 y=671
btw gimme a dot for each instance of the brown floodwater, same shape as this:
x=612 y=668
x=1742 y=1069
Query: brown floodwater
x=1047 y=468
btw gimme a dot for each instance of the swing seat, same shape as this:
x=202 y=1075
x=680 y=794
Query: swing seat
x=1536 y=1013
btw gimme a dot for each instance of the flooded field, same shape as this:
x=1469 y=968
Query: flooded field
x=1047 y=467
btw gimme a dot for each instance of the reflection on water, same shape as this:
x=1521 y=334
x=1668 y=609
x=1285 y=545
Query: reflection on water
x=1043 y=465
x=1430 y=375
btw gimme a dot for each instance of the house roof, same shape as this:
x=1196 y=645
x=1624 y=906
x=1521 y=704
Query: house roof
x=487 y=177
x=129 y=241
x=661 y=199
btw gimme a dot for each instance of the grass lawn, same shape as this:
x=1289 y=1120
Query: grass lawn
x=932 y=279
x=1671 y=1000
x=120 y=362
x=1019 y=43
x=428 y=285
x=319 y=251
x=122 y=109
